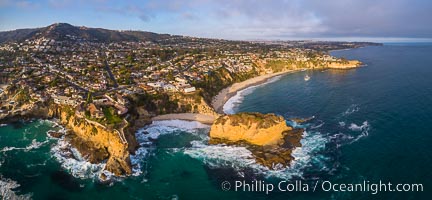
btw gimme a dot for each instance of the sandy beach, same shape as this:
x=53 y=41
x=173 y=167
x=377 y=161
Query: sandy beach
x=220 y=99
x=203 y=118
x=224 y=95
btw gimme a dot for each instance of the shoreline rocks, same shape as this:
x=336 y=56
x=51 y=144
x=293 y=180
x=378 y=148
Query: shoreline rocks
x=267 y=136
x=96 y=144
x=55 y=134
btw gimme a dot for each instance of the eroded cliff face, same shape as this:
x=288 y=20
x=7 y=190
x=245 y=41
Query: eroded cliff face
x=193 y=103
x=254 y=128
x=348 y=65
x=95 y=142
x=267 y=136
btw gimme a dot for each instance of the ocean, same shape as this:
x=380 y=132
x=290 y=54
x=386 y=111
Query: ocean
x=368 y=125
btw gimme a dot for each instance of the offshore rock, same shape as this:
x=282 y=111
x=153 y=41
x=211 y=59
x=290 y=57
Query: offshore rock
x=267 y=136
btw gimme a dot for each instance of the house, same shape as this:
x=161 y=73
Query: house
x=189 y=89
x=100 y=101
x=155 y=84
x=64 y=100
x=95 y=112
x=169 y=88
x=120 y=99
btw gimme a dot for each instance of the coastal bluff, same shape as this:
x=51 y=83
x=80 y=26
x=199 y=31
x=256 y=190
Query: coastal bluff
x=95 y=142
x=267 y=136
x=350 y=64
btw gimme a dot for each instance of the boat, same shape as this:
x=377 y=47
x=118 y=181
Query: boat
x=307 y=77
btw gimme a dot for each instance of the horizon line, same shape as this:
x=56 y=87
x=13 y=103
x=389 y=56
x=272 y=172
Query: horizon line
x=282 y=39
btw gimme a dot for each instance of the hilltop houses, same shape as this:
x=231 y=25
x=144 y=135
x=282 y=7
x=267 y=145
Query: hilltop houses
x=64 y=100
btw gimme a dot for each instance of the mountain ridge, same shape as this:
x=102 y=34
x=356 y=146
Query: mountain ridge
x=65 y=31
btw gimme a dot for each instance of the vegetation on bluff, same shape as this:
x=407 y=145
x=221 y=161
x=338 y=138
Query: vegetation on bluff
x=214 y=81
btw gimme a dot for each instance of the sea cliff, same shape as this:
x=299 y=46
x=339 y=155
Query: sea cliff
x=344 y=65
x=267 y=136
x=96 y=142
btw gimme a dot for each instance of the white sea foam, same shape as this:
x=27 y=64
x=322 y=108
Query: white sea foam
x=70 y=158
x=349 y=138
x=321 y=123
x=8 y=188
x=363 y=128
x=230 y=106
x=239 y=158
x=216 y=156
x=47 y=122
x=33 y=145
x=146 y=135
x=352 y=109
x=72 y=161
x=36 y=164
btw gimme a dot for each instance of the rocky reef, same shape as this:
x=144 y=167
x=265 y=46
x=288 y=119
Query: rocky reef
x=267 y=136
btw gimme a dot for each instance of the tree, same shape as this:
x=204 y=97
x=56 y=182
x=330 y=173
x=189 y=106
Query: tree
x=131 y=57
x=89 y=97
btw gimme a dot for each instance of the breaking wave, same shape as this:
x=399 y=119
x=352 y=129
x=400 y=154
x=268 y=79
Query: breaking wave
x=8 y=188
x=363 y=128
x=222 y=156
x=349 y=138
x=318 y=126
x=148 y=134
x=350 y=110
x=34 y=145
x=230 y=106
x=71 y=160
x=240 y=159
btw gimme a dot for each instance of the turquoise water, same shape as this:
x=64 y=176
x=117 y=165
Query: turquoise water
x=372 y=123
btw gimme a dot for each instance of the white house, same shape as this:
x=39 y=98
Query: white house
x=156 y=84
x=189 y=89
x=169 y=87
x=64 y=100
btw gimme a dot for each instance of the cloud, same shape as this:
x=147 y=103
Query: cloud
x=21 y=4
x=375 y=18
x=239 y=19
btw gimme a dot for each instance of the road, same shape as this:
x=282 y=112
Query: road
x=108 y=69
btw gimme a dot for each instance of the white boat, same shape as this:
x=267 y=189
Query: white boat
x=307 y=77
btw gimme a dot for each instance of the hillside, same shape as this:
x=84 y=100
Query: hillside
x=64 y=31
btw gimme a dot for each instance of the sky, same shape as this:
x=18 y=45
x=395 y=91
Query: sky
x=368 y=20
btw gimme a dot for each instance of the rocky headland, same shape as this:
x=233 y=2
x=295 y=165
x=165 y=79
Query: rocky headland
x=95 y=142
x=267 y=136
x=350 y=64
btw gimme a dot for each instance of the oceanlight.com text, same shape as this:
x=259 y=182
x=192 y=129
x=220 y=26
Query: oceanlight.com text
x=319 y=185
